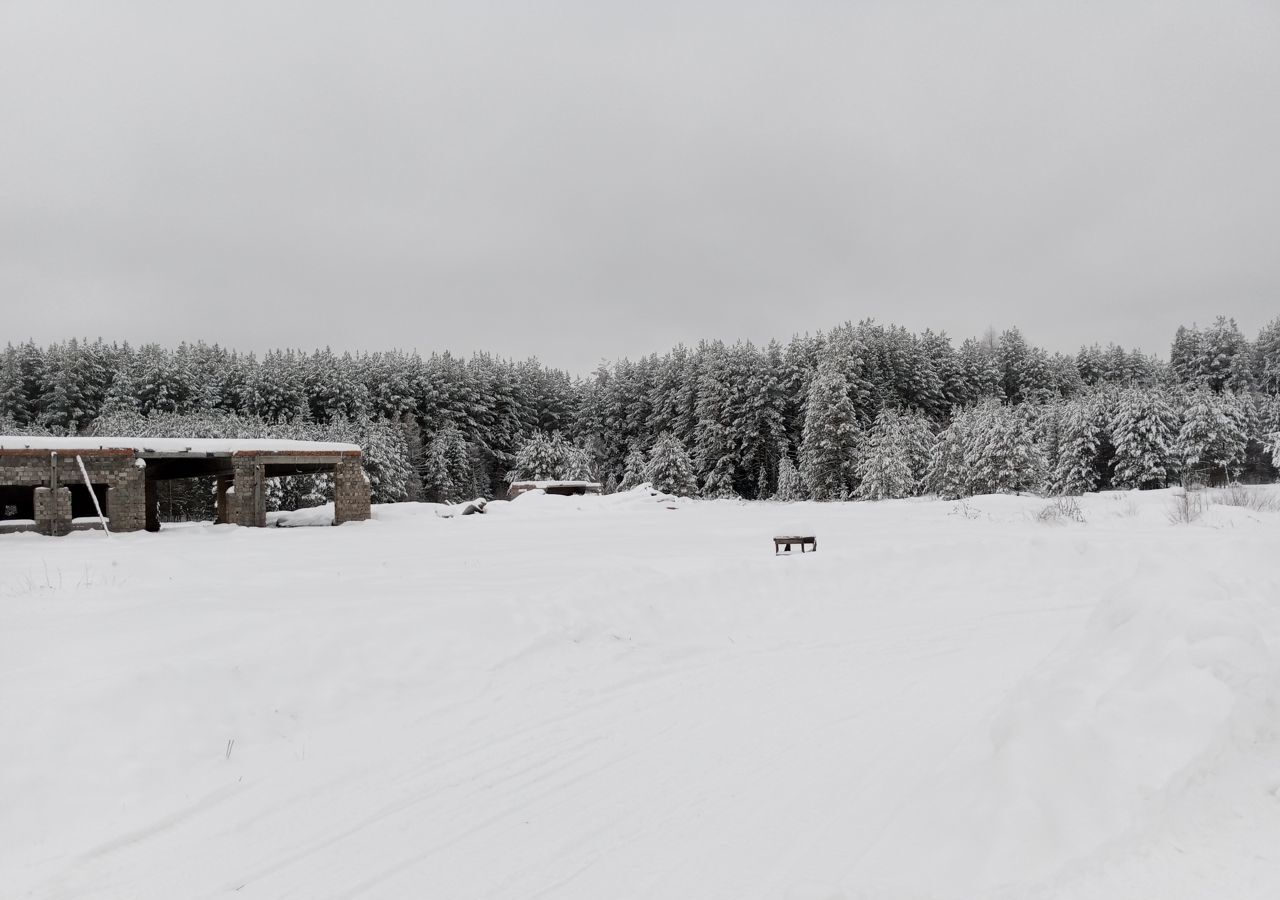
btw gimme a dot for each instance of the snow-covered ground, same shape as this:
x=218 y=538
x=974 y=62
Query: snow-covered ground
x=614 y=697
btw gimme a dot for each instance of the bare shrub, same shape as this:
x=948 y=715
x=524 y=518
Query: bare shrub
x=1239 y=495
x=1059 y=510
x=1125 y=506
x=1187 y=507
x=965 y=510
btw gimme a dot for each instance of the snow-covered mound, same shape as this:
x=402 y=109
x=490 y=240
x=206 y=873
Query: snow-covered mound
x=302 y=518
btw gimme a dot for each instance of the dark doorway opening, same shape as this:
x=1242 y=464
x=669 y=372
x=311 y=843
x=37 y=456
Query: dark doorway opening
x=17 y=502
x=82 y=501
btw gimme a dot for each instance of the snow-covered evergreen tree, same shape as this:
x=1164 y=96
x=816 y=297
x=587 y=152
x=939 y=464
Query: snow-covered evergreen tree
x=334 y=387
x=1144 y=429
x=1218 y=358
x=944 y=361
x=717 y=458
x=950 y=472
x=757 y=424
x=884 y=469
x=919 y=437
x=22 y=391
x=1188 y=357
x=540 y=458
x=67 y=407
x=829 y=447
x=1267 y=358
x=980 y=371
x=415 y=455
x=1090 y=364
x=790 y=488
x=669 y=468
x=1213 y=436
x=1014 y=358
x=633 y=471
x=577 y=464
x=1074 y=467
x=1003 y=455
x=276 y=389
x=447 y=474
x=384 y=455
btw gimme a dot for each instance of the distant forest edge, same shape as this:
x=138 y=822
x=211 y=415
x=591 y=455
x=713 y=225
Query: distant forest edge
x=862 y=411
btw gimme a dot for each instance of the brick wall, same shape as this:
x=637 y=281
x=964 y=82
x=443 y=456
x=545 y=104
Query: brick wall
x=350 y=492
x=53 y=511
x=248 y=504
x=119 y=471
x=130 y=496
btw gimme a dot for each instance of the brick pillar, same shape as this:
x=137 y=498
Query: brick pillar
x=222 y=509
x=350 y=492
x=53 y=511
x=127 y=498
x=248 y=504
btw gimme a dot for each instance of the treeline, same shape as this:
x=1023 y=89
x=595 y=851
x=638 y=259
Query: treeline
x=863 y=410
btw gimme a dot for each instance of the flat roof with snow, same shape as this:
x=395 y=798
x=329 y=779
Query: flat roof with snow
x=177 y=446
x=553 y=487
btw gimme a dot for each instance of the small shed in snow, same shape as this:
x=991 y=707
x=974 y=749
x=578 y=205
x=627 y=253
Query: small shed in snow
x=564 y=488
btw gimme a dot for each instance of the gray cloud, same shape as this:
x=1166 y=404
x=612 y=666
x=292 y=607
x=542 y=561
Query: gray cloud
x=578 y=180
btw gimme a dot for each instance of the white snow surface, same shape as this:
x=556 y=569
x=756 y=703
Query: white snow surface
x=172 y=445
x=612 y=697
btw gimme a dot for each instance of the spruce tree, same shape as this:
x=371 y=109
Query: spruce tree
x=1213 y=436
x=540 y=458
x=633 y=471
x=950 y=473
x=717 y=457
x=980 y=371
x=1074 y=467
x=829 y=447
x=884 y=465
x=919 y=437
x=448 y=475
x=1144 y=430
x=669 y=469
x=790 y=488
x=1013 y=356
x=1188 y=357
x=22 y=393
x=577 y=465
x=1267 y=358
x=416 y=456
x=1003 y=455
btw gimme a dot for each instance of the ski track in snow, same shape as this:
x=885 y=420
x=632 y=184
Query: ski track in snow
x=601 y=697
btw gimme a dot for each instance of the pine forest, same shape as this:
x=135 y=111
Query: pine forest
x=860 y=412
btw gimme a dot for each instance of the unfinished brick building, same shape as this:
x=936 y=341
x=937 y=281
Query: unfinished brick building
x=49 y=485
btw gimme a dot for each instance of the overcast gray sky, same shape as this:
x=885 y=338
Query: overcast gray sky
x=577 y=180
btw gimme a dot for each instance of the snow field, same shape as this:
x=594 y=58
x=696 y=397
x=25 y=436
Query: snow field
x=604 y=697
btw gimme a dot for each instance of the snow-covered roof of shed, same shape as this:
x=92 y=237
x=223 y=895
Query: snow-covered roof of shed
x=543 y=485
x=208 y=446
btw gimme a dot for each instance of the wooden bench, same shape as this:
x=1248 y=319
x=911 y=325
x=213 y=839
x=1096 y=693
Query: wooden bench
x=782 y=543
